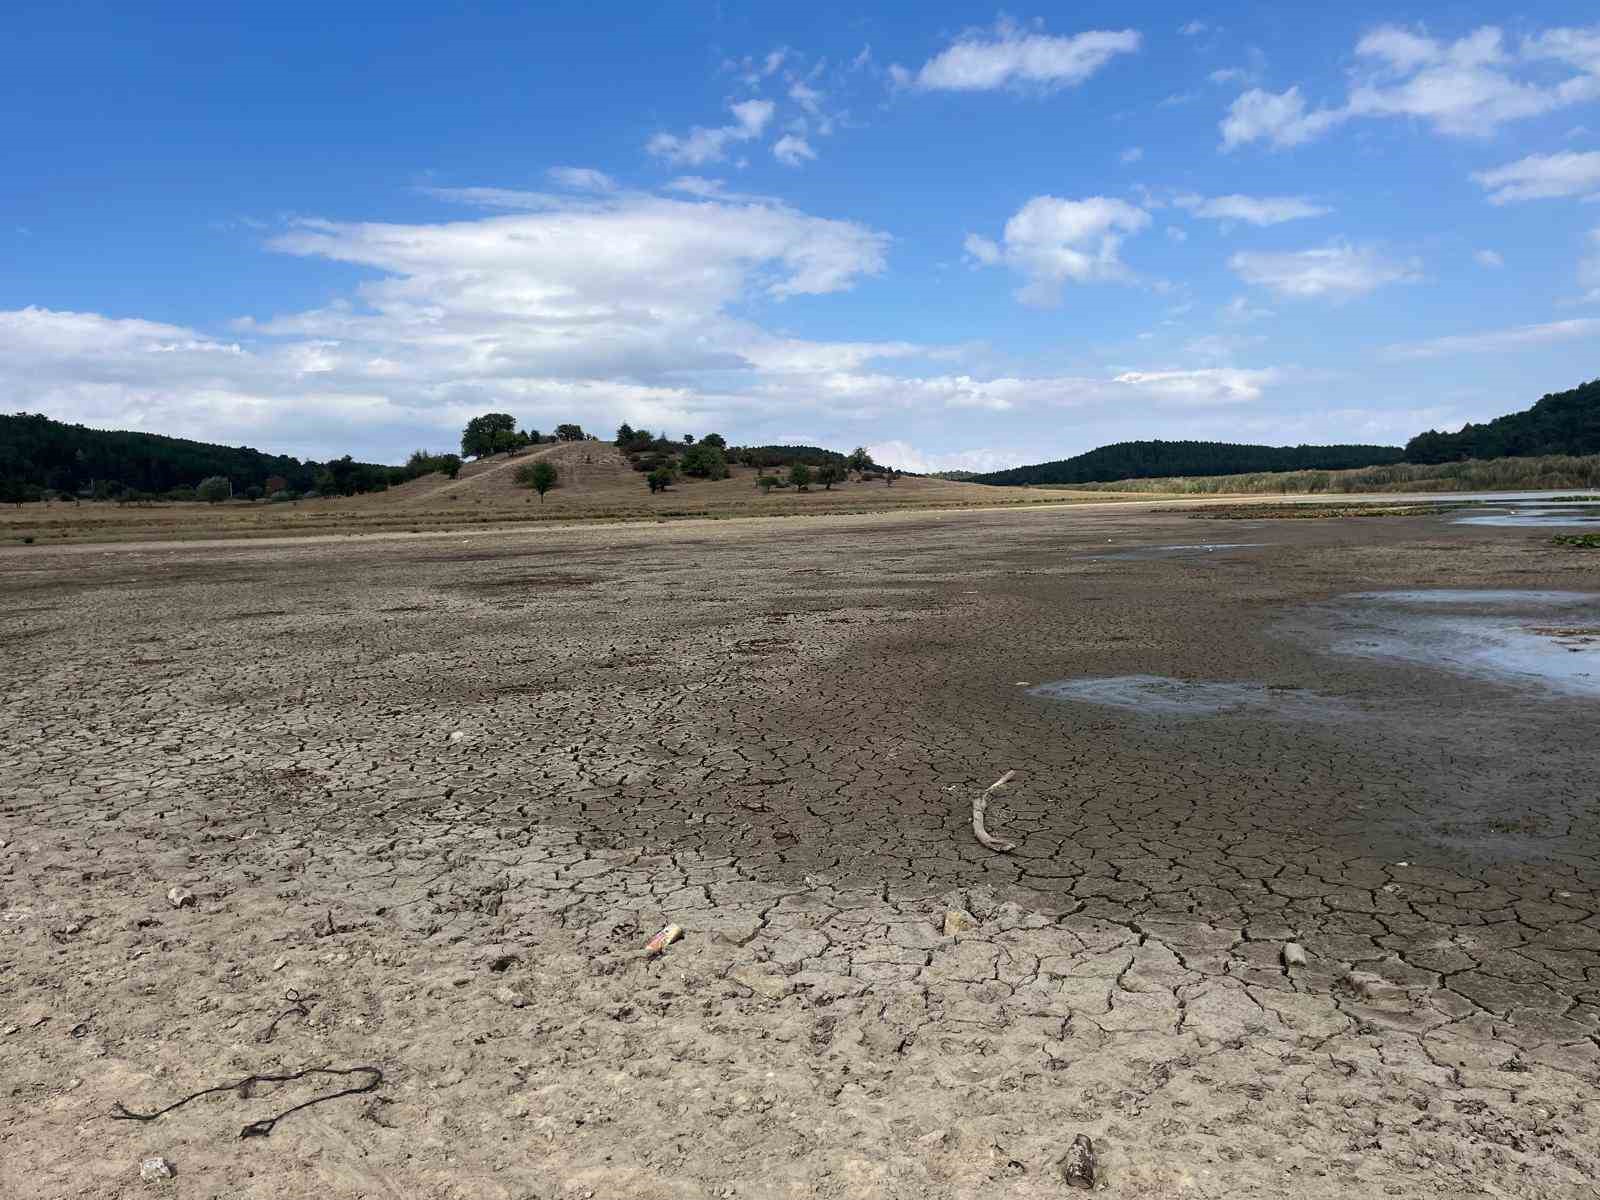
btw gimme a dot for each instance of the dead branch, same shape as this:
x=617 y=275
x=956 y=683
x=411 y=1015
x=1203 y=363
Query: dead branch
x=980 y=806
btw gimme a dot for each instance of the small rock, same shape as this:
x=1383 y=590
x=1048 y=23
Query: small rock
x=10 y=1029
x=154 y=1170
x=1077 y=1165
x=773 y=987
x=180 y=897
x=280 y=964
x=934 y=1140
x=1294 y=954
x=510 y=997
x=957 y=921
x=457 y=736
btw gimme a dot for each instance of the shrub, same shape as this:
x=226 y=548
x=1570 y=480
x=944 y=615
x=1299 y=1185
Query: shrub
x=766 y=483
x=660 y=479
x=284 y=496
x=800 y=476
x=214 y=489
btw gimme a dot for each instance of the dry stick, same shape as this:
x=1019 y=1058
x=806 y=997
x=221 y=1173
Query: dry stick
x=979 y=806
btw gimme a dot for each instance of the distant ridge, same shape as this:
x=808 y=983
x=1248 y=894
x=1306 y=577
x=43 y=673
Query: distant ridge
x=1158 y=459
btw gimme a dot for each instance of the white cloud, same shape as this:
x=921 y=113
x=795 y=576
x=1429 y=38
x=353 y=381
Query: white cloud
x=1239 y=311
x=582 y=179
x=1011 y=57
x=906 y=457
x=1131 y=155
x=701 y=145
x=1338 y=270
x=1204 y=388
x=1465 y=88
x=1050 y=242
x=614 y=308
x=792 y=151
x=1193 y=28
x=1498 y=341
x=1254 y=210
x=1281 y=120
x=1488 y=258
x=806 y=97
x=1542 y=176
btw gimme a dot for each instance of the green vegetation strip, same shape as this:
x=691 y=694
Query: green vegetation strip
x=1582 y=541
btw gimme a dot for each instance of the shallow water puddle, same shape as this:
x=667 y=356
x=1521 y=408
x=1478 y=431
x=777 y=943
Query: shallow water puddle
x=1158 y=695
x=1546 y=639
x=1537 y=518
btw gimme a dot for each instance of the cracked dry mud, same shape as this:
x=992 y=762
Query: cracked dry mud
x=770 y=733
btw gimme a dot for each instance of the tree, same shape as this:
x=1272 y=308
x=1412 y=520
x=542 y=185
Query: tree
x=660 y=479
x=800 y=476
x=478 y=438
x=450 y=464
x=715 y=439
x=829 y=474
x=704 y=462
x=859 y=459
x=625 y=434
x=214 y=489
x=766 y=483
x=889 y=476
x=540 y=476
x=688 y=439
x=570 y=433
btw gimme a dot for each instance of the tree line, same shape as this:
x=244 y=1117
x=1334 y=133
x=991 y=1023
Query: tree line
x=1558 y=423
x=1159 y=459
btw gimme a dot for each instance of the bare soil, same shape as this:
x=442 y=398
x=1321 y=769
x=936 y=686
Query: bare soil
x=432 y=797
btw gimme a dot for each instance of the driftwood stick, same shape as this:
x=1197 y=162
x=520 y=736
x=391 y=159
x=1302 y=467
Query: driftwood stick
x=980 y=806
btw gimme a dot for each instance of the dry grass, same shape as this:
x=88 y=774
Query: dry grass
x=596 y=484
x=1508 y=474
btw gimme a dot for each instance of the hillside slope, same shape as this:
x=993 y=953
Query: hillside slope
x=1158 y=459
x=1559 y=423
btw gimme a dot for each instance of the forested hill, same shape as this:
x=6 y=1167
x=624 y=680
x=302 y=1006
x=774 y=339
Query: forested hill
x=40 y=453
x=1560 y=423
x=1155 y=460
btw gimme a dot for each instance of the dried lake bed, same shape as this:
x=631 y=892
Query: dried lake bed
x=445 y=789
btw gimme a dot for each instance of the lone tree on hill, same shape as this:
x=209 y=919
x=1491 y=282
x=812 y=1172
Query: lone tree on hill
x=214 y=489
x=660 y=479
x=488 y=433
x=859 y=459
x=829 y=474
x=704 y=462
x=800 y=476
x=540 y=476
x=570 y=433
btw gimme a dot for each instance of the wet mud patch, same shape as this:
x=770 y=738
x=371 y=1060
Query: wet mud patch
x=1158 y=695
x=1199 y=550
x=1540 y=640
x=530 y=582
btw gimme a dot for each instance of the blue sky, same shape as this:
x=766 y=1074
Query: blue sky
x=964 y=237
